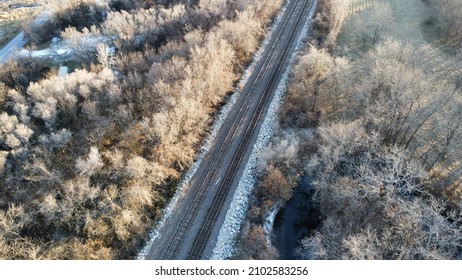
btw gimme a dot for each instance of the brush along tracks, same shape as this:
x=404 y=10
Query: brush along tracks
x=187 y=237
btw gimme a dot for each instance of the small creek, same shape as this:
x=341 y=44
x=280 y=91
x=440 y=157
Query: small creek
x=295 y=220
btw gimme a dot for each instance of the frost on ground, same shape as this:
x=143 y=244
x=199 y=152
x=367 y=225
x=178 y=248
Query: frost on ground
x=269 y=222
x=210 y=139
x=8 y=50
x=65 y=49
x=238 y=208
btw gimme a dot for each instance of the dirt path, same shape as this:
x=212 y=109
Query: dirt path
x=15 y=44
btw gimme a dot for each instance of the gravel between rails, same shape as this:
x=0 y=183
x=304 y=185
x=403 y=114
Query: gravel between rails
x=209 y=140
x=230 y=229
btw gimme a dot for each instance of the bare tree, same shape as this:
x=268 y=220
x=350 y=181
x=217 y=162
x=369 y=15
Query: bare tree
x=448 y=17
x=369 y=195
x=93 y=155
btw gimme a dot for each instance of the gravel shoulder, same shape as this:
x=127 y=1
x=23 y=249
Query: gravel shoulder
x=162 y=235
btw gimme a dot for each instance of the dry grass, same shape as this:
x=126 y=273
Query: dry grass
x=412 y=22
x=397 y=95
x=13 y=14
x=125 y=141
x=370 y=22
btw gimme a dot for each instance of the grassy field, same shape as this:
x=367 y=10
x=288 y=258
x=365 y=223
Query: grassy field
x=13 y=13
x=371 y=21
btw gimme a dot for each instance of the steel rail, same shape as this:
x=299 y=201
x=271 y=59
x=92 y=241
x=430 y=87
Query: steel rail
x=185 y=224
x=213 y=212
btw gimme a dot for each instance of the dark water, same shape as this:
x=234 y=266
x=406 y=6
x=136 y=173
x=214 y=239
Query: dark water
x=295 y=220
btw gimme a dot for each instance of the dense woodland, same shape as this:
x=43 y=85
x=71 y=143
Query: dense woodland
x=89 y=159
x=380 y=134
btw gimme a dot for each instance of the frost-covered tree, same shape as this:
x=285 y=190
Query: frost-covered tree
x=91 y=164
x=448 y=18
x=3 y=157
x=93 y=155
x=13 y=134
x=371 y=201
x=57 y=139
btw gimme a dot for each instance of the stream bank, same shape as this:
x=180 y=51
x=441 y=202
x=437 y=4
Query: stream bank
x=295 y=220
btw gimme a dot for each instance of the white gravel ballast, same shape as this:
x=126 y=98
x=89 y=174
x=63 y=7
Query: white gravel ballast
x=210 y=139
x=224 y=247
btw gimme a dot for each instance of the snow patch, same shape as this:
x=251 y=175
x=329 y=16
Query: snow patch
x=63 y=51
x=50 y=52
x=63 y=71
x=239 y=205
x=54 y=40
x=65 y=48
x=269 y=222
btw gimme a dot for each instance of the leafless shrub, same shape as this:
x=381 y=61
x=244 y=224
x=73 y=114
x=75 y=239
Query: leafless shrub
x=329 y=20
x=3 y=156
x=254 y=246
x=77 y=14
x=316 y=82
x=371 y=198
x=91 y=164
x=18 y=73
x=449 y=20
x=93 y=155
x=385 y=163
x=274 y=186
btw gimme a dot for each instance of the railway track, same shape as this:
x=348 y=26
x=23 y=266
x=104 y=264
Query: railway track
x=239 y=128
x=214 y=210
